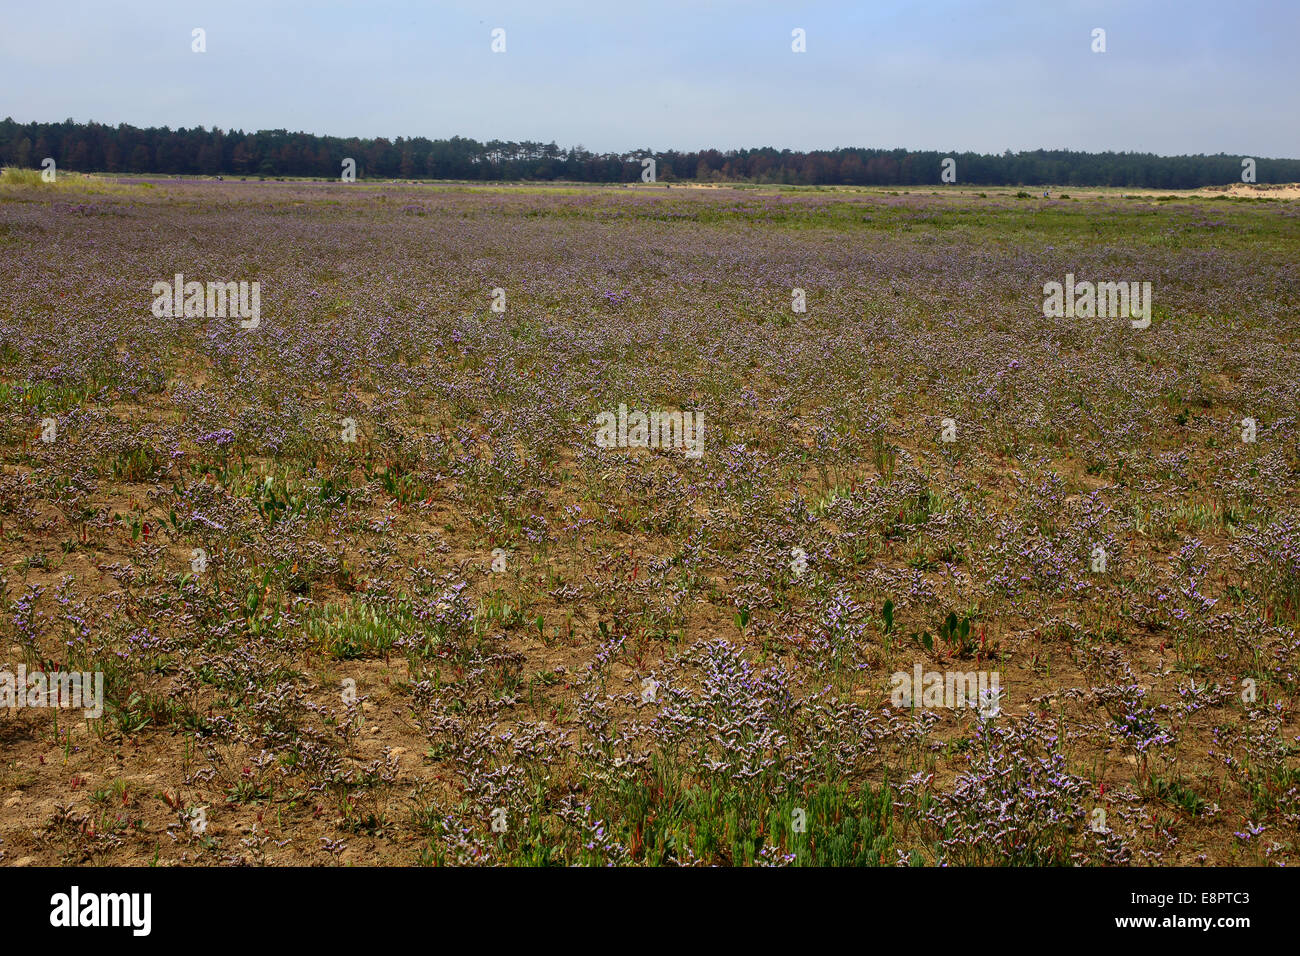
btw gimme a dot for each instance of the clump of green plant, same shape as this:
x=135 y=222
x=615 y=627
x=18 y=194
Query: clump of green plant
x=353 y=631
x=953 y=632
x=13 y=176
x=884 y=456
x=138 y=463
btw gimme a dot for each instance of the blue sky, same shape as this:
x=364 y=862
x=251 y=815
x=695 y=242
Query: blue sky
x=1189 y=76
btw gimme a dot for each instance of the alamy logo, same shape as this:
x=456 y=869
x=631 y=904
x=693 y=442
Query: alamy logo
x=103 y=909
x=194 y=300
x=1101 y=300
x=635 y=429
x=68 y=689
x=950 y=689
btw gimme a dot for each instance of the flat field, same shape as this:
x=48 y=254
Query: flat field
x=367 y=585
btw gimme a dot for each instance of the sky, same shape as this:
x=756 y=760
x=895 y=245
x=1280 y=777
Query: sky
x=1187 y=76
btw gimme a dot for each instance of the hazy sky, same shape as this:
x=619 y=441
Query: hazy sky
x=1189 y=76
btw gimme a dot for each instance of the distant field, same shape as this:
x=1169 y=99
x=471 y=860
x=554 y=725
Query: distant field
x=1235 y=191
x=366 y=586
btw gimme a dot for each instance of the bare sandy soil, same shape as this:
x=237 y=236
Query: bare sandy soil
x=1233 y=190
x=1255 y=190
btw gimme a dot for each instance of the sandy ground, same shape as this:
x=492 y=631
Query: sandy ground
x=1254 y=190
x=1260 y=190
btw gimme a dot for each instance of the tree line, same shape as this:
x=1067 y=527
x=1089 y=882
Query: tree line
x=96 y=147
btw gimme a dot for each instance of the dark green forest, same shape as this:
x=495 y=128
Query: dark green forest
x=95 y=147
